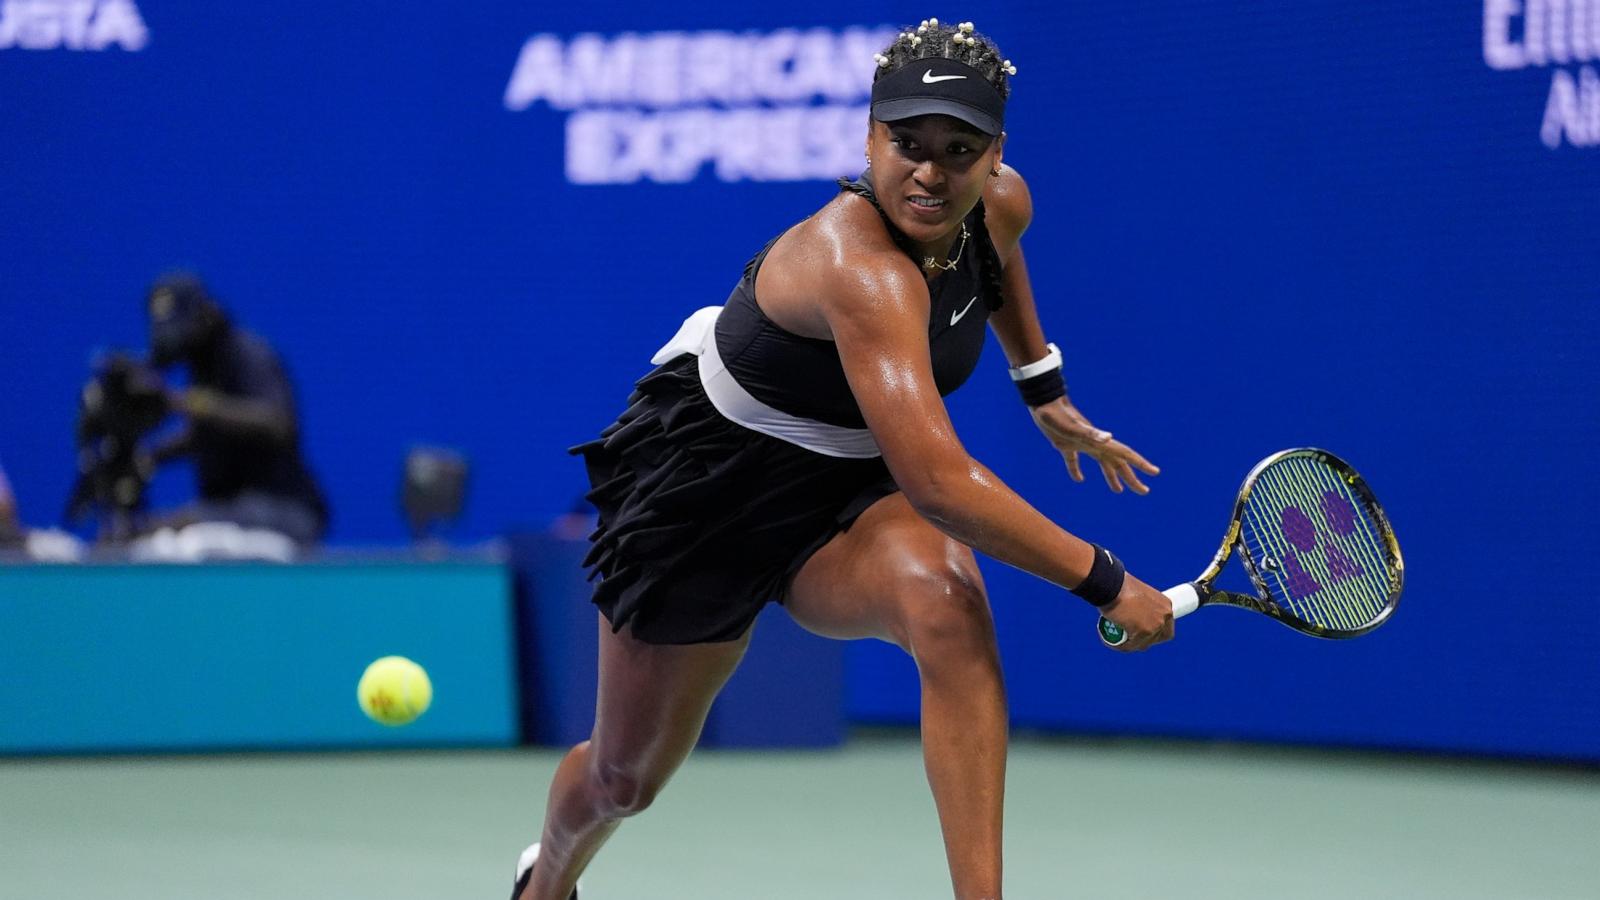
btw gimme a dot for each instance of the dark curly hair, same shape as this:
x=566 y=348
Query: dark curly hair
x=932 y=39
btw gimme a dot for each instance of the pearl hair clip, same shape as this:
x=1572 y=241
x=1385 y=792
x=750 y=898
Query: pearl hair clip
x=961 y=35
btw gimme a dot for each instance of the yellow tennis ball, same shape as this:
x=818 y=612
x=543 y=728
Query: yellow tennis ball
x=394 y=691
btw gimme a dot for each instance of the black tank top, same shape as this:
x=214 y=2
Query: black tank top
x=802 y=376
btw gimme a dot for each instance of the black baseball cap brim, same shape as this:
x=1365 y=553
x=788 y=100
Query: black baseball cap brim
x=911 y=107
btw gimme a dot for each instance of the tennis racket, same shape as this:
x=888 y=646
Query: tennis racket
x=1318 y=549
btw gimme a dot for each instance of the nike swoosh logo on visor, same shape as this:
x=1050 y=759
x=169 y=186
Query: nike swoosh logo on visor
x=929 y=78
x=956 y=317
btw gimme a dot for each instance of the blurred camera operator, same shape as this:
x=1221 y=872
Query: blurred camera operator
x=240 y=430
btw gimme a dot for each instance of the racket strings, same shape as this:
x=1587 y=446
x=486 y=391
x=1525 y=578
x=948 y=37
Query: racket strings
x=1346 y=583
x=1315 y=568
x=1316 y=545
x=1327 y=593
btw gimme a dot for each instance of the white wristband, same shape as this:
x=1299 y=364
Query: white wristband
x=1052 y=360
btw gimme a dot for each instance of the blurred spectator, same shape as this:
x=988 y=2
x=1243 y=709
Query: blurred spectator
x=241 y=429
x=49 y=545
x=10 y=525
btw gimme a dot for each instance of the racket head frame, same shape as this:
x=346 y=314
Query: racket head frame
x=1262 y=601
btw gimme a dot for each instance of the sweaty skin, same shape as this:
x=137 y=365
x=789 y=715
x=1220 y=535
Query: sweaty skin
x=839 y=276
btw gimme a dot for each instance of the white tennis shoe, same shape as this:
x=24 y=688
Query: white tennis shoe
x=525 y=871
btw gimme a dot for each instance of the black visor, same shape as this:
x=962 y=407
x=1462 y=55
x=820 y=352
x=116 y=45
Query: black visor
x=940 y=87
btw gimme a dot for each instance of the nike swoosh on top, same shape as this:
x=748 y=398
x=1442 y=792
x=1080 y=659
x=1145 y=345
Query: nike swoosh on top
x=929 y=78
x=956 y=317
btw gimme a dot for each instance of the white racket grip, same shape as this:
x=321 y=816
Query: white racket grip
x=1184 y=598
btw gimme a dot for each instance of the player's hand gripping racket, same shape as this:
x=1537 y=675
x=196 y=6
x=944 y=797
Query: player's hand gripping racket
x=1315 y=543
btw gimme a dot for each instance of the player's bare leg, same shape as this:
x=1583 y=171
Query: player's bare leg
x=895 y=577
x=652 y=703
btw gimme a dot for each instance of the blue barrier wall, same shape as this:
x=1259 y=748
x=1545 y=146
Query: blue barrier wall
x=788 y=691
x=120 y=658
x=1370 y=227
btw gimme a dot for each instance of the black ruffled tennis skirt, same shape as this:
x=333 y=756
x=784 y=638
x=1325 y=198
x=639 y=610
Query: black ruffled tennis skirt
x=702 y=520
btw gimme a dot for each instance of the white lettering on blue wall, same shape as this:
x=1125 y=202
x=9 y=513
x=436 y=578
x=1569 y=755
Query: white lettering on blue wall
x=71 y=25
x=673 y=106
x=1519 y=34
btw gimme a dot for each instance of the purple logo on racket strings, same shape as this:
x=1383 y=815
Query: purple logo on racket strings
x=1301 y=532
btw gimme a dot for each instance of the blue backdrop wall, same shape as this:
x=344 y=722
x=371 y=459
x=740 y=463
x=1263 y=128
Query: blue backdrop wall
x=1371 y=227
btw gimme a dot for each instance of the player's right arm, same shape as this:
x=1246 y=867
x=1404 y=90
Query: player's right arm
x=876 y=307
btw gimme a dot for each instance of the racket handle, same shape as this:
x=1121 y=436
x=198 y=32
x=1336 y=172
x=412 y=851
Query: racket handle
x=1185 y=599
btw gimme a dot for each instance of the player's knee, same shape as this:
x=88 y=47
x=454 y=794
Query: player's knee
x=944 y=613
x=621 y=792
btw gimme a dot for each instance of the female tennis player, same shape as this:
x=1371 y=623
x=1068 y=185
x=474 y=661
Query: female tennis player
x=793 y=445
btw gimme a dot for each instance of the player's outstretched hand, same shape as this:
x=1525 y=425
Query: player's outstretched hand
x=1143 y=612
x=1072 y=433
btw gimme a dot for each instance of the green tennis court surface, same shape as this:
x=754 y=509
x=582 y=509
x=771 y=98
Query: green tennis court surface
x=1116 y=819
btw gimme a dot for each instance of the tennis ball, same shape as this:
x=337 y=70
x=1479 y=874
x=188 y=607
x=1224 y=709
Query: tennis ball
x=394 y=691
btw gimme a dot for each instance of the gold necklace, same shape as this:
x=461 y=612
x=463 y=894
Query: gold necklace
x=928 y=262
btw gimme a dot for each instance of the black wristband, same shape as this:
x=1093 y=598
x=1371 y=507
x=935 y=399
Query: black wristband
x=1042 y=388
x=1105 y=579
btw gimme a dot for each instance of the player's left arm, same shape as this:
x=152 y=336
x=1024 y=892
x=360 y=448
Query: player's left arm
x=1009 y=211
